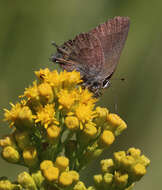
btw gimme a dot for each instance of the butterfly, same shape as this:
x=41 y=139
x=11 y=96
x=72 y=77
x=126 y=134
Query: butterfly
x=95 y=54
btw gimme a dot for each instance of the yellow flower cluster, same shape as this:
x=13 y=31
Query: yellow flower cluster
x=121 y=172
x=58 y=172
x=56 y=116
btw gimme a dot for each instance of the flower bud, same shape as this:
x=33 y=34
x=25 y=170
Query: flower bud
x=10 y=154
x=45 y=92
x=26 y=181
x=80 y=186
x=106 y=138
x=107 y=165
x=53 y=133
x=30 y=156
x=120 y=180
x=72 y=122
x=51 y=173
x=65 y=179
x=138 y=171
x=62 y=163
x=6 y=185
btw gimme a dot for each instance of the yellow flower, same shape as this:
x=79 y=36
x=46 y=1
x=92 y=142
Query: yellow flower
x=66 y=98
x=6 y=185
x=26 y=181
x=31 y=92
x=7 y=141
x=65 y=179
x=71 y=122
x=106 y=138
x=53 y=132
x=51 y=173
x=62 y=163
x=80 y=186
x=30 y=156
x=42 y=73
x=84 y=113
x=19 y=115
x=90 y=130
x=10 y=154
x=54 y=79
x=74 y=175
x=86 y=97
x=120 y=180
x=46 y=164
x=46 y=115
x=107 y=165
x=73 y=77
x=138 y=171
x=116 y=123
x=45 y=92
x=101 y=115
x=98 y=180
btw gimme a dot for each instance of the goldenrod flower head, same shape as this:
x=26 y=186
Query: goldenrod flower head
x=7 y=141
x=134 y=152
x=73 y=77
x=65 y=179
x=80 y=186
x=118 y=156
x=38 y=178
x=84 y=113
x=46 y=164
x=102 y=114
x=106 y=138
x=5 y=185
x=98 y=179
x=66 y=98
x=120 y=180
x=116 y=123
x=72 y=122
x=42 y=73
x=26 y=181
x=32 y=92
x=46 y=115
x=19 y=115
x=54 y=79
x=138 y=171
x=127 y=161
x=30 y=156
x=107 y=165
x=90 y=130
x=45 y=92
x=62 y=163
x=74 y=175
x=22 y=139
x=10 y=154
x=144 y=161
x=51 y=173
x=86 y=97
x=107 y=180
x=53 y=132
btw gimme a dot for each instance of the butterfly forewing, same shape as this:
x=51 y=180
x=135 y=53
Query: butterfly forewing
x=112 y=36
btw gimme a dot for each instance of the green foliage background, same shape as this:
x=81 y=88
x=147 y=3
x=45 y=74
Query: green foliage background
x=26 y=31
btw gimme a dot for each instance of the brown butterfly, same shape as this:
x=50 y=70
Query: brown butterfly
x=95 y=54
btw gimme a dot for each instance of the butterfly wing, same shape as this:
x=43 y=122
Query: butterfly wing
x=86 y=53
x=112 y=36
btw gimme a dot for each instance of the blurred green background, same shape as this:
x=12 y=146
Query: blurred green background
x=26 y=31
